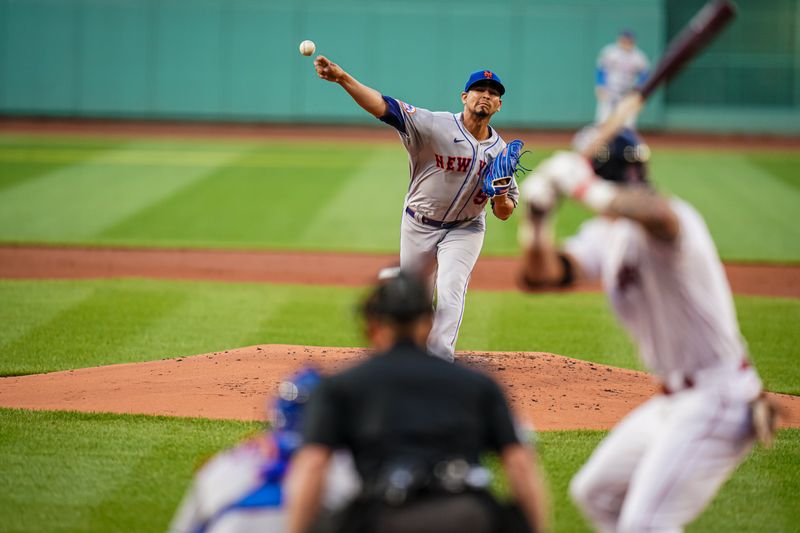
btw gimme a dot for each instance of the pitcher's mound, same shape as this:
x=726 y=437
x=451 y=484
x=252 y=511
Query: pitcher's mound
x=550 y=391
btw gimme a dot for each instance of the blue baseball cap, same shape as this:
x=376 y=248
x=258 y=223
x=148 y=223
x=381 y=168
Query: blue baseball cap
x=485 y=75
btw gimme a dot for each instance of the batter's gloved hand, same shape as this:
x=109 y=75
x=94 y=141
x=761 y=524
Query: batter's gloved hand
x=499 y=174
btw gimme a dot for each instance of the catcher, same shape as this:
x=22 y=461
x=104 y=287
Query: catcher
x=658 y=468
x=240 y=490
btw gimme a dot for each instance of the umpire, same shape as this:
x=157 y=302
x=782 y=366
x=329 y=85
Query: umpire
x=416 y=426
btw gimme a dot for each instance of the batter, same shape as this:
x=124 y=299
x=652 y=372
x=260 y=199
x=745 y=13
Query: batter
x=444 y=212
x=662 y=465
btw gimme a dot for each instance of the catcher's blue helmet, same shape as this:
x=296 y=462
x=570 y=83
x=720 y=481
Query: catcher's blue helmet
x=287 y=409
x=623 y=159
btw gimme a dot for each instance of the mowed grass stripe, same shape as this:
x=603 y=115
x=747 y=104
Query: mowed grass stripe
x=201 y=144
x=116 y=321
x=110 y=319
x=577 y=325
x=80 y=472
x=770 y=327
x=13 y=174
x=25 y=309
x=139 y=320
x=243 y=315
x=751 y=212
x=329 y=318
x=782 y=166
x=762 y=493
x=769 y=477
x=95 y=472
x=235 y=206
x=173 y=158
x=748 y=198
x=126 y=501
x=367 y=210
x=77 y=202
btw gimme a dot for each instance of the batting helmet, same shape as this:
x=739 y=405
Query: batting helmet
x=400 y=299
x=623 y=159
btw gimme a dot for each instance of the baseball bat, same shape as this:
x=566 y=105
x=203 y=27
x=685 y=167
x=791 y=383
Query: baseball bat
x=704 y=26
x=701 y=29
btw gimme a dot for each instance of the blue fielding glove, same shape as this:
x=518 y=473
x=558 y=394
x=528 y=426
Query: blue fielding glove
x=498 y=176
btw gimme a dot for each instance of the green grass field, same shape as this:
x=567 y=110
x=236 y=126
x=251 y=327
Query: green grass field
x=81 y=472
x=90 y=472
x=248 y=194
x=58 y=325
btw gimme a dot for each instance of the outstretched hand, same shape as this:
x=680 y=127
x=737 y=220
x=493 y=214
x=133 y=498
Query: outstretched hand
x=328 y=70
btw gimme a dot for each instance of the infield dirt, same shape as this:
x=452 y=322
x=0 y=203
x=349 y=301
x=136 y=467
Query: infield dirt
x=550 y=391
x=316 y=268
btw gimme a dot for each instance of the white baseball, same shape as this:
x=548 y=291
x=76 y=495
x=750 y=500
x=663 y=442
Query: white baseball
x=307 y=47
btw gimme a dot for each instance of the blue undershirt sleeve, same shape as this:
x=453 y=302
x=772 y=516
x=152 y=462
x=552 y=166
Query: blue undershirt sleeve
x=600 y=77
x=394 y=116
x=642 y=77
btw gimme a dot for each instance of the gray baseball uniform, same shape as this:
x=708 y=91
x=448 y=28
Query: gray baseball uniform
x=444 y=211
x=618 y=71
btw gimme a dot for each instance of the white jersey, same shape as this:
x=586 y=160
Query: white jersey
x=673 y=298
x=446 y=162
x=664 y=462
x=622 y=69
x=229 y=493
x=214 y=502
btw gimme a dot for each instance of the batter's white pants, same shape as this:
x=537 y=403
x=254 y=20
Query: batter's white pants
x=664 y=462
x=453 y=252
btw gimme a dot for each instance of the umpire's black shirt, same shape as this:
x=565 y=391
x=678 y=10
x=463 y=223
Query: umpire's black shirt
x=408 y=405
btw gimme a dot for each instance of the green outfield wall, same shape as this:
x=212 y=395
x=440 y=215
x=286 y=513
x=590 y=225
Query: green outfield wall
x=238 y=59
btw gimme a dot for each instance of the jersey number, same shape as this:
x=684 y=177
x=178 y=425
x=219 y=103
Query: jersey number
x=480 y=198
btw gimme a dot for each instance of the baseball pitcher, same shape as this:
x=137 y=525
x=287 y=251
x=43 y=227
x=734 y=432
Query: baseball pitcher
x=458 y=163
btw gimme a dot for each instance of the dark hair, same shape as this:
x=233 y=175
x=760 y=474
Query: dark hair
x=401 y=299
